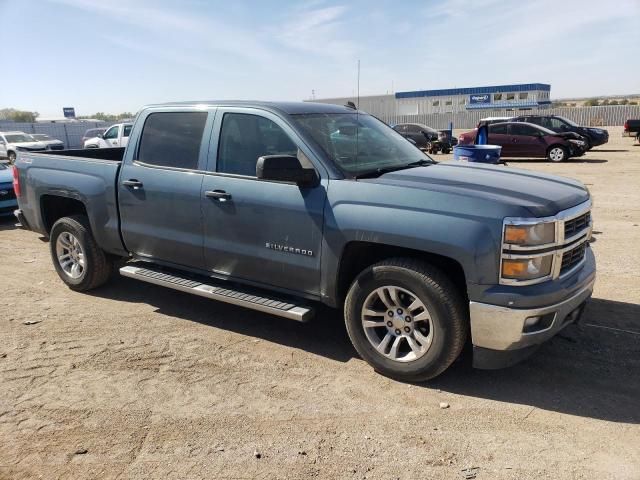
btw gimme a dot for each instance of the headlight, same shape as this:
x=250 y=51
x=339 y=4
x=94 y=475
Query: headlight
x=530 y=235
x=527 y=268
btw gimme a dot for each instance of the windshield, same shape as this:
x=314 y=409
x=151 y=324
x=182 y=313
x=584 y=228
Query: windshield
x=19 y=138
x=3 y=166
x=359 y=143
x=566 y=120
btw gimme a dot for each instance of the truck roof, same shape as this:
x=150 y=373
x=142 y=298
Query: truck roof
x=291 y=108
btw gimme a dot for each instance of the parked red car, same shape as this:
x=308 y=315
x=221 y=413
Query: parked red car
x=519 y=139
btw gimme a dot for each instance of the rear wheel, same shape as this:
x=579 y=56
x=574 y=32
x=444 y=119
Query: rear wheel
x=77 y=258
x=557 y=153
x=406 y=319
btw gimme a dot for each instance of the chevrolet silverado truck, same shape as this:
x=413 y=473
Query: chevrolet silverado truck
x=280 y=207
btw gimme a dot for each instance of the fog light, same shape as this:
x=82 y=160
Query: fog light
x=538 y=323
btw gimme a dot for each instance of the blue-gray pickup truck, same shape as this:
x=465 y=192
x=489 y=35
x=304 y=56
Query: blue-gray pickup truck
x=280 y=206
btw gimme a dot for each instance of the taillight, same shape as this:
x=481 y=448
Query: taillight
x=626 y=125
x=16 y=181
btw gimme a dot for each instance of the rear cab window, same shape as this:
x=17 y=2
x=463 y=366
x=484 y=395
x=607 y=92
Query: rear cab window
x=172 y=139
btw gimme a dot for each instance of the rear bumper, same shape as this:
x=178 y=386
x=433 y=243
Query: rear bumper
x=500 y=334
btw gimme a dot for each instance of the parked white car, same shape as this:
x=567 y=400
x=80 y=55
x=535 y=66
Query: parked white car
x=49 y=142
x=11 y=142
x=116 y=136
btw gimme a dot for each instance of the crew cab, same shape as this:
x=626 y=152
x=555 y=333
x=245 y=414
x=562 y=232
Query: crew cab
x=592 y=136
x=115 y=136
x=280 y=207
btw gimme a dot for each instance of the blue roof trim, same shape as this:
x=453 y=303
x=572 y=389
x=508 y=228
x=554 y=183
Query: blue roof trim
x=524 y=87
x=477 y=106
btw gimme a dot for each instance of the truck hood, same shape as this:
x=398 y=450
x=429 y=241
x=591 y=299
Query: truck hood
x=543 y=195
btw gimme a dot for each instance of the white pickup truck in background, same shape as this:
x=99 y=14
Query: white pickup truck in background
x=116 y=136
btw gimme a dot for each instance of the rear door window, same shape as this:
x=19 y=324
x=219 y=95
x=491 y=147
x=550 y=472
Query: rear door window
x=127 y=130
x=244 y=138
x=172 y=139
x=498 y=129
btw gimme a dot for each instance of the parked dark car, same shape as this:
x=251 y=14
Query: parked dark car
x=91 y=133
x=424 y=137
x=519 y=139
x=632 y=128
x=593 y=136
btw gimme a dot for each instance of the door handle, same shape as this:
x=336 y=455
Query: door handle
x=133 y=183
x=219 y=195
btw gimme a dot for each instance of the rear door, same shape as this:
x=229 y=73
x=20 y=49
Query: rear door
x=260 y=231
x=159 y=186
x=126 y=132
x=498 y=136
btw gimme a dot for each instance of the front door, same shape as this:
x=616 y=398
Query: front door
x=160 y=188
x=111 y=136
x=526 y=140
x=260 y=231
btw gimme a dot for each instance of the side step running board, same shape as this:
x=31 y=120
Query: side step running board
x=236 y=297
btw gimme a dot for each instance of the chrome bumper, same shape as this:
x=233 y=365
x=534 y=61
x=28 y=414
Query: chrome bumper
x=502 y=328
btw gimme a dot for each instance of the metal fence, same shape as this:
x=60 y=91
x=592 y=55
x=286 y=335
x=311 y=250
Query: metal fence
x=70 y=133
x=611 y=115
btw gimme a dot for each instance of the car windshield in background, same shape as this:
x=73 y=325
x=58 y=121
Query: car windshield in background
x=570 y=122
x=3 y=166
x=359 y=143
x=19 y=138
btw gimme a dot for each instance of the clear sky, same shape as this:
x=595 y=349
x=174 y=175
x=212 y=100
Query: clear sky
x=117 y=55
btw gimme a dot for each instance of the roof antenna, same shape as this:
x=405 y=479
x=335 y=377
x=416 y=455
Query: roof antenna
x=358 y=104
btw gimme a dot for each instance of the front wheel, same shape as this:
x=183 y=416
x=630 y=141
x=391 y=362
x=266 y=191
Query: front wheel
x=557 y=154
x=406 y=319
x=77 y=258
x=12 y=157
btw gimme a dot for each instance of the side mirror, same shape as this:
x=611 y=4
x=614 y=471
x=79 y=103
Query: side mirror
x=285 y=168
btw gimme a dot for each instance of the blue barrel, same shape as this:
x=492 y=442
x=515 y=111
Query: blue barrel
x=477 y=153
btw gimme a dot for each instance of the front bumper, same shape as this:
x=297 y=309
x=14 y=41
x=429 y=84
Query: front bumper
x=500 y=335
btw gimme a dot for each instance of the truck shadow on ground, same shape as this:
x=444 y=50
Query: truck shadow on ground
x=585 y=371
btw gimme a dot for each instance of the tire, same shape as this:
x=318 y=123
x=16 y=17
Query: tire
x=12 y=157
x=441 y=319
x=557 y=153
x=587 y=144
x=445 y=150
x=67 y=235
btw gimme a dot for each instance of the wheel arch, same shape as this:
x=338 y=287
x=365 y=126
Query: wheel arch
x=358 y=255
x=54 y=207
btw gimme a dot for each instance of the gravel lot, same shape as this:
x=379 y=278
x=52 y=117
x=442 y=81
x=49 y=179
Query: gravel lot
x=136 y=381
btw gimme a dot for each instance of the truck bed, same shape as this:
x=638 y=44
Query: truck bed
x=52 y=181
x=112 y=154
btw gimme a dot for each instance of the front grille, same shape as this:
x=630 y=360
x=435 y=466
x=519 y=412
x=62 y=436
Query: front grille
x=576 y=225
x=572 y=257
x=56 y=147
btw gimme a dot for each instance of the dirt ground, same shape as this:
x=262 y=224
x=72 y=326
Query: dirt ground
x=137 y=381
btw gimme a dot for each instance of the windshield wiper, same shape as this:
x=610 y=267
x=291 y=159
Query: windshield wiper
x=381 y=171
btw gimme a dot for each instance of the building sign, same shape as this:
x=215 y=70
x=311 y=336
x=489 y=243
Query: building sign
x=69 y=112
x=483 y=98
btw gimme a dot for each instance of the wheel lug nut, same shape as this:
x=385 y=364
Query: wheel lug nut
x=390 y=313
x=407 y=318
x=398 y=332
x=407 y=329
x=399 y=311
x=390 y=324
